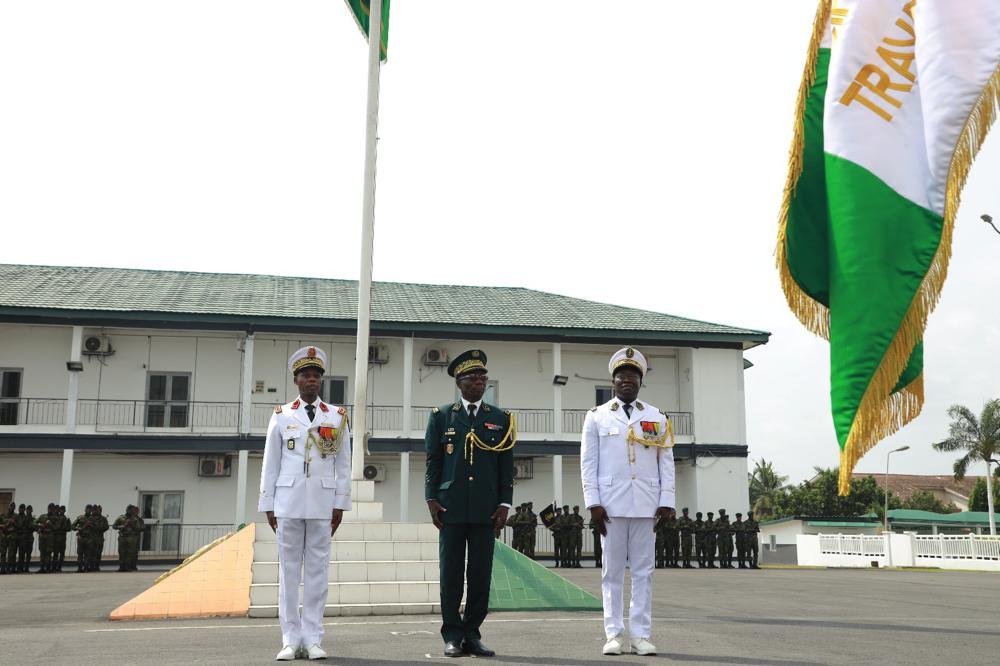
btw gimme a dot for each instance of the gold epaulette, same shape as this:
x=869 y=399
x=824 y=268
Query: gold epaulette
x=434 y=410
x=341 y=411
x=277 y=409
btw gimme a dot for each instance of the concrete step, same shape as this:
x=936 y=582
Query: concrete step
x=405 y=592
x=338 y=610
x=361 y=571
x=366 y=551
x=369 y=532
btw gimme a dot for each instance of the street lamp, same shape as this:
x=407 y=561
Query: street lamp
x=885 y=514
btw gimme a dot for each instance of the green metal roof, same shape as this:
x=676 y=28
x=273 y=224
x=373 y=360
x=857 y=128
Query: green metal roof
x=66 y=290
x=959 y=518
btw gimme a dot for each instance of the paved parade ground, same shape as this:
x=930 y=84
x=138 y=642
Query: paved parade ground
x=772 y=616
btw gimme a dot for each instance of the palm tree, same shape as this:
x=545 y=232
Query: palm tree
x=766 y=488
x=979 y=439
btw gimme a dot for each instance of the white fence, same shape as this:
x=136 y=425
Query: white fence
x=900 y=550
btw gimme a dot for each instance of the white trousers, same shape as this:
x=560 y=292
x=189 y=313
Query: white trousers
x=302 y=542
x=629 y=541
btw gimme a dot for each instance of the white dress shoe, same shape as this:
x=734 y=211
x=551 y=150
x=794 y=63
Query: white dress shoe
x=614 y=645
x=287 y=654
x=314 y=651
x=642 y=646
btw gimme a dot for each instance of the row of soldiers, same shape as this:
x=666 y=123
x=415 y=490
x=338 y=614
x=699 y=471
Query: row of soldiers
x=567 y=533
x=17 y=536
x=711 y=538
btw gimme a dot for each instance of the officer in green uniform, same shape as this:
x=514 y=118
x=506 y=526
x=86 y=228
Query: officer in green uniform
x=711 y=536
x=63 y=526
x=469 y=487
x=6 y=539
x=739 y=531
x=684 y=524
x=752 y=527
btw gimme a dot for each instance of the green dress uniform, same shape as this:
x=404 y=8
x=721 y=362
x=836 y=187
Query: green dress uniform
x=470 y=471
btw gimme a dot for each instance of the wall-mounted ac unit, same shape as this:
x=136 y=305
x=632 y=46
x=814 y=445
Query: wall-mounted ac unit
x=214 y=465
x=374 y=472
x=97 y=345
x=378 y=354
x=435 y=356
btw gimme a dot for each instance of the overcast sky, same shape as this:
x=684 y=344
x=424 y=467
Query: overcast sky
x=630 y=153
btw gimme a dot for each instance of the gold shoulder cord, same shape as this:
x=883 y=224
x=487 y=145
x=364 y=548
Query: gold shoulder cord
x=472 y=441
x=659 y=442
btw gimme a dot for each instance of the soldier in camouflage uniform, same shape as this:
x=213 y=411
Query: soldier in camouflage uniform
x=739 y=529
x=84 y=528
x=598 y=550
x=660 y=546
x=725 y=532
x=63 y=526
x=752 y=544
x=557 y=543
x=24 y=529
x=102 y=526
x=711 y=536
x=515 y=528
x=567 y=538
x=530 y=523
x=6 y=538
x=684 y=524
x=578 y=527
x=699 y=539
x=44 y=525
x=673 y=541
x=129 y=528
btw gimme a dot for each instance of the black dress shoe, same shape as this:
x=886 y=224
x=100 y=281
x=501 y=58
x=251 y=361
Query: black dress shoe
x=453 y=649
x=476 y=647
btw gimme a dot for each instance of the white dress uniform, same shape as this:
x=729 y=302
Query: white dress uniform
x=630 y=476
x=303 y=480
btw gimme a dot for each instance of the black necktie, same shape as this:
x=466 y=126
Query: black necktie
x=628 y=411
x=311 y=411
x=472 y=412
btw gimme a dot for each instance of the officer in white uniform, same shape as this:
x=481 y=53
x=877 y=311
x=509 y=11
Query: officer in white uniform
x=627 y=468
x=305 y=487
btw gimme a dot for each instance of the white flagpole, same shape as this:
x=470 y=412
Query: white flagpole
x=360 y=426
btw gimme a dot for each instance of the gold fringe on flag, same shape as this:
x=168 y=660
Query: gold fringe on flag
x=881 y=412
x=813 y=314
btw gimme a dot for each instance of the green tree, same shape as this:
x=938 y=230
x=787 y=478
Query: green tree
x=767 y=489
x=925 y=500
x=979 y=441
x=977 y=499
x=818 y=496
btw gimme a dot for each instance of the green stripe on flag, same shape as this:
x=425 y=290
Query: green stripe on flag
x=361 y=10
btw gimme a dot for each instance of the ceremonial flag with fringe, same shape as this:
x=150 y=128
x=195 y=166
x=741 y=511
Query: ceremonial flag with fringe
x=361 y=9
x=895 y=102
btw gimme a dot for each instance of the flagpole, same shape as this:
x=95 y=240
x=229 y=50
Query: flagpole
x=360 y=425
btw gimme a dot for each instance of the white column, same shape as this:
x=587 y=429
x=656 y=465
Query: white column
x=404 y=486
x=72 y=396
x=557 y=389
x=407 y=389
x=246 y=393
x=241 y=488
x=557 y=480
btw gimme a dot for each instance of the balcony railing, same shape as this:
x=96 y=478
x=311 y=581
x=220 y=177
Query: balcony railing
x=224 y=417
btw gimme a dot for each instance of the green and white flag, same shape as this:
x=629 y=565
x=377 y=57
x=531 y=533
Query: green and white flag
x=895 y=102
x=361 y=10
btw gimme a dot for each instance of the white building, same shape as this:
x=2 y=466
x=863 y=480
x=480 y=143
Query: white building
x=155 y=388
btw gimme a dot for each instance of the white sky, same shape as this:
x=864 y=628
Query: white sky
x=631 y=153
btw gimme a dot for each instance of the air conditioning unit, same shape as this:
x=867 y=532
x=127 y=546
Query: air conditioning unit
x=524 y=468
x=374 y=472
x=97 y=345
x=378 y=354
x=215 y=465
x=435 y=356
